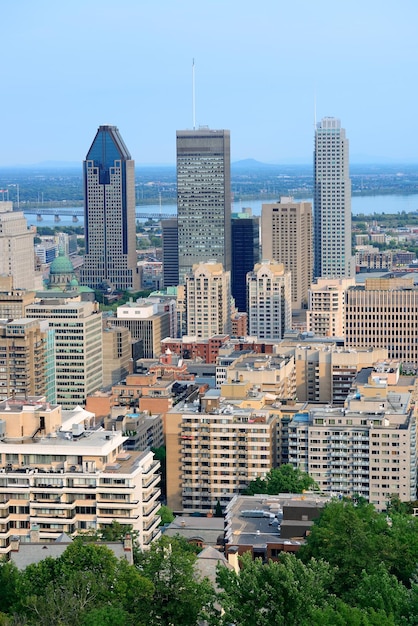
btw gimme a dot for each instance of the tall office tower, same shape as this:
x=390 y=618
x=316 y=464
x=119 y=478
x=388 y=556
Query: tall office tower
x=269 y=300
x=109 y=214
x=170 y=252
x=78 y=347
x=326 y=312
x=17 y=255
x=208 y=300
x=286 y=237
x=245 y=244
x=332 y=202
x=203 y=198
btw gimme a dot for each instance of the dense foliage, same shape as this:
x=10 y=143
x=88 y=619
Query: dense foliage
x=358 y=567
x=283 y=479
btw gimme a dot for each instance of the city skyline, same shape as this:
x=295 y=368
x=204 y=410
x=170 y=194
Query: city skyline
x=263 y=83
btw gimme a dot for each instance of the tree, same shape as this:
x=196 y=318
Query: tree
x=280 y=593
x=179 y=597
x=283 y=479
x=166 y=514
x=351 y=537
x=218 y=510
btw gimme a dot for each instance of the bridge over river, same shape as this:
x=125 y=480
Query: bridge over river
x=76 y=212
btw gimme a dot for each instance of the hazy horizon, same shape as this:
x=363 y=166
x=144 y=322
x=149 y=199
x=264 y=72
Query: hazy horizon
x=263 y=71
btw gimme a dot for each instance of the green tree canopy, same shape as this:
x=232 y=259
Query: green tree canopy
x=283 y=479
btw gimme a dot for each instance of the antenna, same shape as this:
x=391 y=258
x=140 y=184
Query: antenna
x=193 y=98
x=315 y=109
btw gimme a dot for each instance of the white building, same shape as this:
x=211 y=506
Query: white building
x=208 y=300
x=78 y=347
x=332 y=202
x=326 y=312
x=60 y=473
x=269 y=298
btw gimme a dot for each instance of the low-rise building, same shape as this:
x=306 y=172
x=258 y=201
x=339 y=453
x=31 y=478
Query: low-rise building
x=65 y=475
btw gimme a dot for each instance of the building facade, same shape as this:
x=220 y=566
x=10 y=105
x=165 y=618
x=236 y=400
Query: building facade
x=17 y=256
x=203 y=198
x=69 y=476
x=384 y=313
x=170 y=241
x=269 y=297
x=286 y=237
x=208 y=300
x=78 y=347
x=332 y=202
x=109 y=214
x=245 y=242
x=326 y=312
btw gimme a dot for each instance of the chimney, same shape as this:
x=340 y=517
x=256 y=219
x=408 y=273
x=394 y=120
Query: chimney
x=34 y=534
x=233 y=558
x=127 y=548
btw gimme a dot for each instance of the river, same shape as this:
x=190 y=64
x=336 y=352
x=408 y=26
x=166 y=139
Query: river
x=367 y=205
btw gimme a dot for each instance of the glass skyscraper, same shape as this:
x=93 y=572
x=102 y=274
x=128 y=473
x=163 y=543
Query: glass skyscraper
x=109 y=214
x=332 y=202
x=203 y=198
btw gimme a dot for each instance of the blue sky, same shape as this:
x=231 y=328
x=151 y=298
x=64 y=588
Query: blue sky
x=67 y=67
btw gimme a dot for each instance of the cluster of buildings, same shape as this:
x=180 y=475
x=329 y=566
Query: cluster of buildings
x=259 y=349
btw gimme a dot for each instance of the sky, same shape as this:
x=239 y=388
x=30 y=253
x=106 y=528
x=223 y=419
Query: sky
x=264 y=70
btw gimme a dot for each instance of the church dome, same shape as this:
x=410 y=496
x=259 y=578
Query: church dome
x=61 y=265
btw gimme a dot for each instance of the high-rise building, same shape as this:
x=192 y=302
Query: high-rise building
x=332 y=202
x=286 y=237
x=78 y=347
x=245 y=244
x=203 y=198
x=109 y=214
x=208 y=300
x=17 y=255
x=170 y=243
x=269 y=300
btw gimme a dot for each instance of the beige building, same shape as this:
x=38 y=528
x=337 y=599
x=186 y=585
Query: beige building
x=325 y=372
x=269 y=298
x=27 y=364
x=215 y=447
x=384 y=313
x=208 y=300
x=117 y=354
x=66 y=476
x=78 y=347
x=13 y=302
x=146 y=323
x=366 y=448
x=326 y=313
x=286 y=237
x=17 y=255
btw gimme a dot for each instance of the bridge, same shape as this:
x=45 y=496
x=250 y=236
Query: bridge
x=77 y=212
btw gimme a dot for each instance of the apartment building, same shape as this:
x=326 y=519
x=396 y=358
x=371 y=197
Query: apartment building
x=27 y=359
x=367 y=447
x=208 y=300
x=147 y=321
x=273 y=374
x=64 y=475
x=117 y=354
x=215 y=447
x=269 y=300
x=325 y=316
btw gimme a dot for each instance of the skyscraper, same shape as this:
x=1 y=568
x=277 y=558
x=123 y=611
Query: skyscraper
x=203 y=198
x=245 y=242
x=208 y=300
x=109 y=214
x=170 y=241
x=286 y=237
x=332 y=202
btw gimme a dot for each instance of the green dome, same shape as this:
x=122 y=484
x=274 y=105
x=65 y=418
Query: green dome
x=61 y=265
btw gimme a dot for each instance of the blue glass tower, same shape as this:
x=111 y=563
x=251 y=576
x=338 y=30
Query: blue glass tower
x=109 y=214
